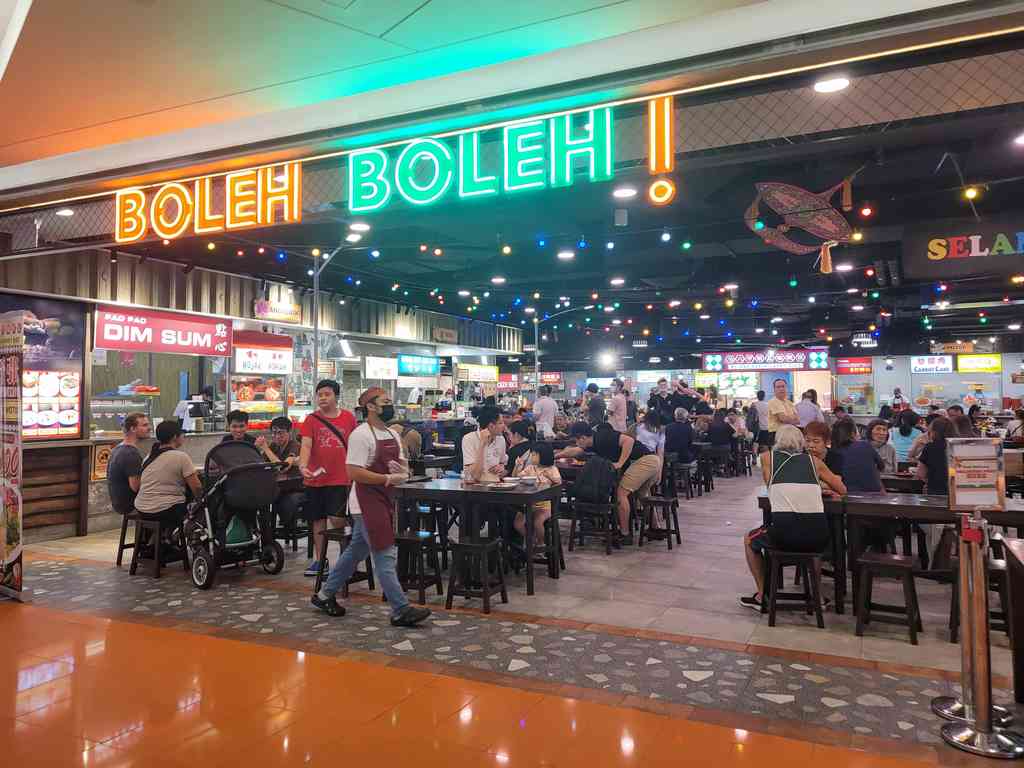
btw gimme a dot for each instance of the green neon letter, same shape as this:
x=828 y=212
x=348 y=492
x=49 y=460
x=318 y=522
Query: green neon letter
x=368 y=189
x=440 y=178
x=597 y=146
x=471 y=183
x=525 y=151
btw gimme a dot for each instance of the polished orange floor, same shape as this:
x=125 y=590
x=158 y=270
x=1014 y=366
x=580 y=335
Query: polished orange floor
x=83 y=691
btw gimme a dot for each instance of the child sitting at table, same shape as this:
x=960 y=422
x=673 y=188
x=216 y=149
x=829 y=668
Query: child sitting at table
x=540 y=464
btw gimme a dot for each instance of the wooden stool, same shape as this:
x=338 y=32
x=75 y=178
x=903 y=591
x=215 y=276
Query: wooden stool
x=553 y=543
x=998 y=583
x=873 y=564
x=417 y=551
x=808 y=600
x=669 y=509
x=121 y=545
x=684 y=478
x=143 y=524
x=602 y=517
x=344 y=539
x=472 y=559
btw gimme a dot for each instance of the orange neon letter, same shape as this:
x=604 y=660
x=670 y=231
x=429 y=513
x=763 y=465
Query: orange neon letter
x=205 y=219
x=130 y=218
x=281 y=187
x=170 y=227
x=241 y=203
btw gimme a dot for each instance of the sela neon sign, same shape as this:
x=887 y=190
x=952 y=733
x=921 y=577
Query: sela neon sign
x=254 y=197
x=536 y=154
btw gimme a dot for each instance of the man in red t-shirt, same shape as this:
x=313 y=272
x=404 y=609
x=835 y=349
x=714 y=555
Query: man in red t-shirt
x=322 y=463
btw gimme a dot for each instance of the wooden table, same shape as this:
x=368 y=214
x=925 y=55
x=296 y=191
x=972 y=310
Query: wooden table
x=1015 y=566
x=465 y=498
x=423 y=463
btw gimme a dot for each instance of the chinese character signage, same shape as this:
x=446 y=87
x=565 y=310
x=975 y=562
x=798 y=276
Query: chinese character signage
x=383 y=368
x=931 y=364
x=481 y=373
x=852 y=366
x=979 y=363
x=554 y=378
x=145 y=330
x=257 y=352
x=418 y=365
x=12 y=340
x=508 y=382
x=768 y=360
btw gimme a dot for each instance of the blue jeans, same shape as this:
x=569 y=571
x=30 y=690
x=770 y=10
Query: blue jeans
x=383 y=568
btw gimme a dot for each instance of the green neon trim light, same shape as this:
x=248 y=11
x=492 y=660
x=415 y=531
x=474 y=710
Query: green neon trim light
x=368 y=189
x=471 y=183
x=525 y=156
x=440 y=156
x=597 y=146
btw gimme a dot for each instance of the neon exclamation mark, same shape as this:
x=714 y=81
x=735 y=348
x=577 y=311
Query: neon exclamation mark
x=661 y=140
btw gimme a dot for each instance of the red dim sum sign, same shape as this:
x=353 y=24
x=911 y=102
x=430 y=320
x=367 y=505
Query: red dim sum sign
x=141 y=330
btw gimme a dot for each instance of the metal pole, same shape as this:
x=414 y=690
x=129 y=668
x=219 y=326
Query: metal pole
x=536 y=358
x=971 y=727
x=316 y=329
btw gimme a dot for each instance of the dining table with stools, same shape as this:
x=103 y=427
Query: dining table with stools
x=470 y=499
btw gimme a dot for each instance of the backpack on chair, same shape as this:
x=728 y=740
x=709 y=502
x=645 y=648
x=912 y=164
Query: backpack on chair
x=596 y=482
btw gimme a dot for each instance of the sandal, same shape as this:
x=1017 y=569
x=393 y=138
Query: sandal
x=330 y=606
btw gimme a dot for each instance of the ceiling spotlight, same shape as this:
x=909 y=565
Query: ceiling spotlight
x=832 y=85
x=730 y=286
x=666 y=236
x=536 y=295
x=566 y=255
x=309 y=272
x=853 y=290
x=1014 y=326
x=811 y=299
x=259 y=250
x=844 y=267
x=239 y=253
x=857 y=236
x=866 y=211
x=439 y=252
x=359 y=226
x=759 y=330
x=395 y=287
x=463 y=293
x=705 y=317
x=316 y=251
x=793 y=282
x=971 y=193
x=776 y=320
x=618 y=281
x=65 y=212
x=729 y=303
x=498 y=280
x=423 y=248
x=506 y=249
x=698 y=306
x=281 y=257
x=168 y=242
x=210 y=246
x=341 y=302
x=758 y=224
x=1019 y=141
x=674 y=303
x=687 y=245
x=374 y=254
x=529 y=310
x=857 y=307
x=616 y=321
x=624 y=193
x=353 y=237
x=610 y=245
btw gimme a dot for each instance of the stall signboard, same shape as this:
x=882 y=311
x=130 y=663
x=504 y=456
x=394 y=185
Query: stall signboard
x=277 y=311
x=533 y=154
x=931 y=364
x=445 y=335
x=976 y=477
x=508 y=382
x=979 y=363
x=767 y=360
x=964 y=247
x=418 y=365
x=145 y=330
x=257 y=352
x=552 y=378
x=481 y=373
x=704 y=379
x=853 y=366
x=12 y=341
x=253 y=197
x=952 y=348
x=652 y=377
x=383 y=368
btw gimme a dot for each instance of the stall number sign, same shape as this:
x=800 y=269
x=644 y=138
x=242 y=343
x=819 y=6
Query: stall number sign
x=381 y=368
x=979 y=363
x=263 y=360
x=534 y=154
x=135 y=330
x=931 y=364
x=418 y=365
x=256 y=197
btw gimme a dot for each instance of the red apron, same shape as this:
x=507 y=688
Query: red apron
x=377 y=502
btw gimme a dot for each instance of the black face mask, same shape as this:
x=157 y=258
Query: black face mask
x=387 y=412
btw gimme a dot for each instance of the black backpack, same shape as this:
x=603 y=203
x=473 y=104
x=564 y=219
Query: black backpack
x=596 y=482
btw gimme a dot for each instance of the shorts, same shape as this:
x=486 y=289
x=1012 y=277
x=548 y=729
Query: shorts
x=641 y=473
x=325 y=501
x=792 y=532
x=765 y=440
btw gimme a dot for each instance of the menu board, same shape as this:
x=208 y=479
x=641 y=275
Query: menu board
x=52 y=372
x=11 y=342
x=976 y=476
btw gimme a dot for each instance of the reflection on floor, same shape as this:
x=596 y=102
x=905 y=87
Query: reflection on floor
x=76 y=690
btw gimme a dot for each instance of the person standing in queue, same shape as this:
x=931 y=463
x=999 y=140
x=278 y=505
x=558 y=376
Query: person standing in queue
x=376 y=464
x=781 y=411
x=322 y=459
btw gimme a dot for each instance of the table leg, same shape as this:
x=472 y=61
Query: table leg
x=854 y=548
x=1016 y=622
x=528 y=515
x=554 y=568
x=839 y=560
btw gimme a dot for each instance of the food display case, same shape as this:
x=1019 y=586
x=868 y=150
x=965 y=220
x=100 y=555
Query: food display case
x=108 y=413
x=262 y=363
x=262 y=397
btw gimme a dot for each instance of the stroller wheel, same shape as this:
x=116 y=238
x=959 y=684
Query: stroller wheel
x=272 y=558
x=204 y=568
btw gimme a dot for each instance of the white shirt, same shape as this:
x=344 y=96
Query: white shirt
x=617 y=412
x=762 y=414
x=808 y=412
x=494 y=453
x=362 y=447
x=544 y=411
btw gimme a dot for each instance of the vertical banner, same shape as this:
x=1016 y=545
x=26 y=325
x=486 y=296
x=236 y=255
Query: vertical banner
x=12 y=339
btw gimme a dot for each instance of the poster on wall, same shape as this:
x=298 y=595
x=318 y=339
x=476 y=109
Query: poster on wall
x=12 y=340
x=52 y=371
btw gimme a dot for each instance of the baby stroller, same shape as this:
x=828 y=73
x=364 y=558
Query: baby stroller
x=229 y=523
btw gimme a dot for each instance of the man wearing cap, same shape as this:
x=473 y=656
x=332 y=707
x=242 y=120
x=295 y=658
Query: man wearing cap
x=375 y=464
